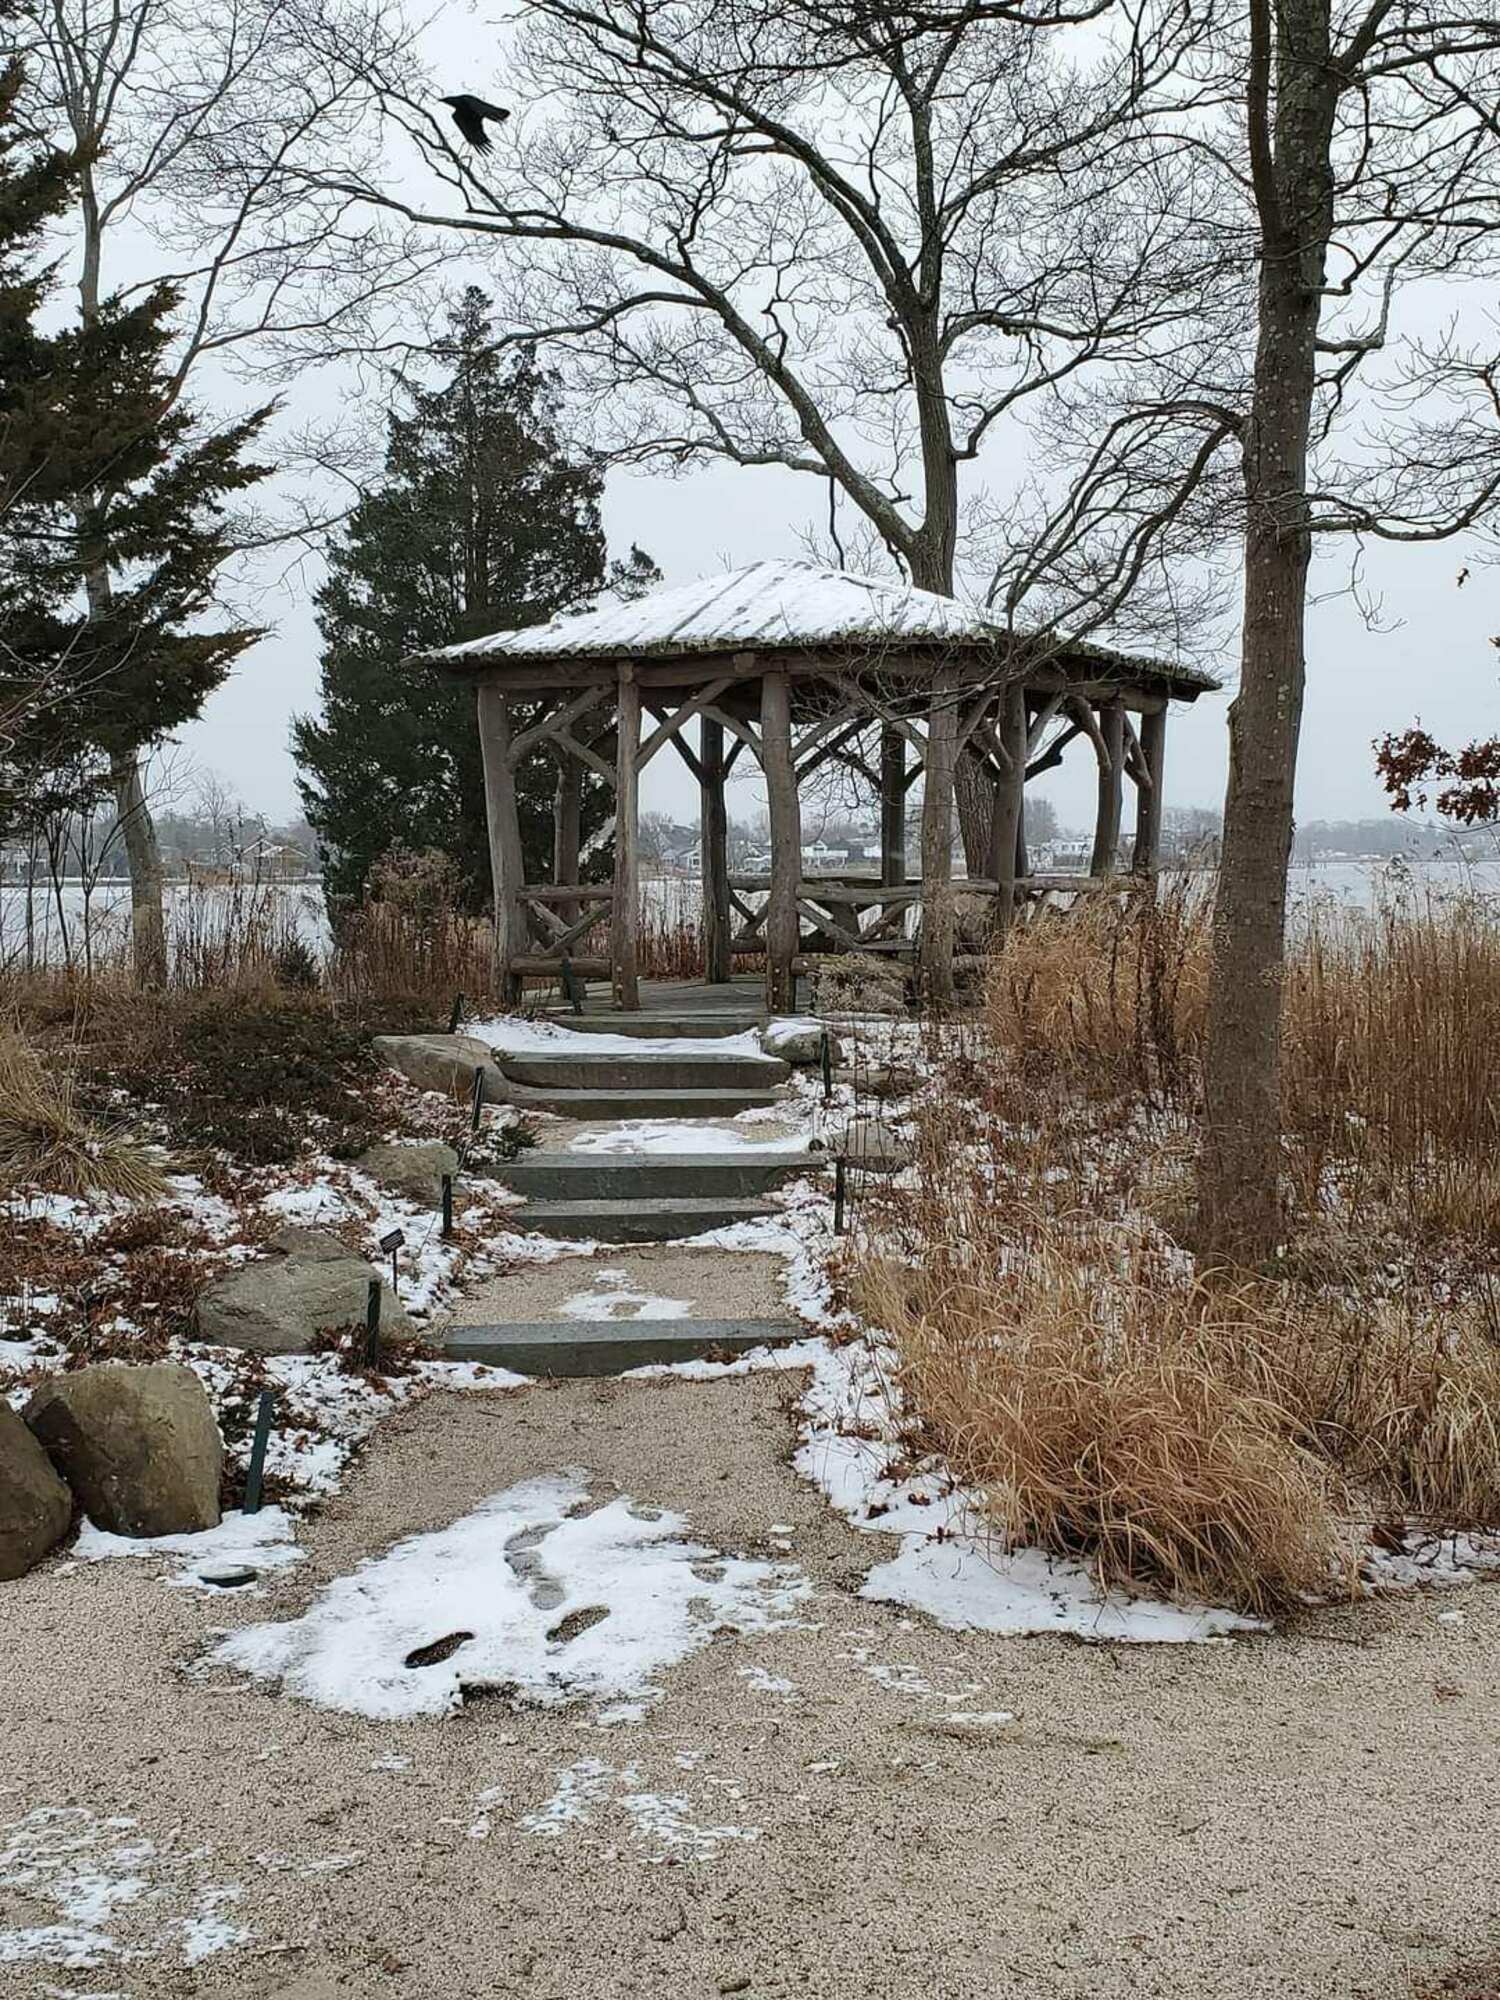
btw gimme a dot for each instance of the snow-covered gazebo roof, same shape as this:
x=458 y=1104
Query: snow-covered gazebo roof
x=780 y=608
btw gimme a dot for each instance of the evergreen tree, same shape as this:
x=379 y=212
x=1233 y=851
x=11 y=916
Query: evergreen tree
x=112 y=501
x=485 y=520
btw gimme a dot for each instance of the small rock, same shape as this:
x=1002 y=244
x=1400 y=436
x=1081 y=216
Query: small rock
x=872 y=1142
x=139 y=1446
x=278 y=1303
x=228 y=1579
x=444 y=1062
x=36 y=1508
x=800 y=1041
x=413 y=1168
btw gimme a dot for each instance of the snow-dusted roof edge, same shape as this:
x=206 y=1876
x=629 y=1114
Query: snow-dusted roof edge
x=779 y=606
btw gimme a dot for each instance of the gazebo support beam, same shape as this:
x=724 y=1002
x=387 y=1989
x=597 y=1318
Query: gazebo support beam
x=713 y=849
x=786 y=842
x=1111 y=749
x=567 y=821
x=892 y=808
x=937 y=841
x=1146 y=853
x=625 y=923
x=1010 y=787
x=507 y=867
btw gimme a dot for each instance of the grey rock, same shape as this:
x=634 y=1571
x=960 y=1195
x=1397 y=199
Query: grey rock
x=139 y=1446
x=444 y=1063
x=800 y=1041
x=307 y=1282
x=414 y=1168
x=871 y=1142
x=35 y=1506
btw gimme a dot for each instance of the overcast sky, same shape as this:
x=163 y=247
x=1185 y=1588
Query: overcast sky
x=1430 y=656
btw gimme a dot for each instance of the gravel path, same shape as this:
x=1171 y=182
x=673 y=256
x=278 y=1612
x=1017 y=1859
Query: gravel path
x=1303 y=1815
x=631 y=1281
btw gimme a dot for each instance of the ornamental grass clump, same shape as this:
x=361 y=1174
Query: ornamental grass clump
x=1107 y=1419
x=45 y=1140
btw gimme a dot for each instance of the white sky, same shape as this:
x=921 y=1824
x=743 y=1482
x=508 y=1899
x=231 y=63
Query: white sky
x=1430 y=657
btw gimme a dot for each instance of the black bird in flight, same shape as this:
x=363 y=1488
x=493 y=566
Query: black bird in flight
x=469 y=114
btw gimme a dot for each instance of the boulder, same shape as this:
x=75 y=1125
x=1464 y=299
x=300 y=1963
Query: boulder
x=799 y=1040
x=871 y=1142
x=414 y=1168
x=35 y=1506
x=306 y=1282
x=444 y=1063
x=139 y=1446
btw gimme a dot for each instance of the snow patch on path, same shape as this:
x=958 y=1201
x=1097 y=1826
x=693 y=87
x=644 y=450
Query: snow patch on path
x=614 y=1297
x=519 y=1577
x=261 y=1541
x=110 y=1893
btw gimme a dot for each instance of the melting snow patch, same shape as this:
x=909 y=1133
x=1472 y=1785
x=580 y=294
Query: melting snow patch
x=666 y=1135
x=589 y=1790
x=254 y=1541
x=793 y=1354
x=108 y=1893
x=533 y=1595
x=613 y=1296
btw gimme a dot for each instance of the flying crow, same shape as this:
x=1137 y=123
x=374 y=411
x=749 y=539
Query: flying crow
x=469 y=114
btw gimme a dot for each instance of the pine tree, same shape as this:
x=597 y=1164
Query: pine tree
x=112 y=511
x=485 y=520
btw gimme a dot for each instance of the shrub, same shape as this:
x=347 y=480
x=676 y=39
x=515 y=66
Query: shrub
x=259 y=1082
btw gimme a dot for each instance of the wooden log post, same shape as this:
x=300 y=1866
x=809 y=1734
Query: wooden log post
x=625 y=925
x=713 y=852
x=892 y=808
x=1111 y=753
x=786 y=842
x=937 y=841
x=1006 y=835
x=1146 y=853
x=507 y=867
x=567 y=817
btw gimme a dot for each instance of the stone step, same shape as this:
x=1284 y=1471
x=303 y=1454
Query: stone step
x=656 y=1027
x=589 y=1176
x=609 y=1346
x=641 y=1219
x=642 y=1069
x=644 y=1101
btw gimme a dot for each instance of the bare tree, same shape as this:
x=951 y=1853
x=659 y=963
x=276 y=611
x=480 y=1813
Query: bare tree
x=185 y=121
x=1372 y=156
x=849 y=241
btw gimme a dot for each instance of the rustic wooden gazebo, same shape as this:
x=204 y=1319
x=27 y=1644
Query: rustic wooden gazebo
x=799 y=665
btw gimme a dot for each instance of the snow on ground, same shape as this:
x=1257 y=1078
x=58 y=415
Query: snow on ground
x=590 y=1792
x=110 y=1894
x=667 y=1135
x=261 y=1541
x=537 y=1592
x=613 y=1296
x=513 y=1034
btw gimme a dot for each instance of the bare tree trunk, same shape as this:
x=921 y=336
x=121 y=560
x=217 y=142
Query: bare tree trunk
x=1239 y=1166
x=148 y=928
x=974 y=793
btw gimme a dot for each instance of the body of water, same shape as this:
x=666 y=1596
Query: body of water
x=281 y=909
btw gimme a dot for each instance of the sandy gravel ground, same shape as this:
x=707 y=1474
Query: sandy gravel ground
x=1306 y=1815
x=624 y=1280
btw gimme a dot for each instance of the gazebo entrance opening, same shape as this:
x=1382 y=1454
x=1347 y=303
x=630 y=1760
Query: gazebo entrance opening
x=794 y=666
